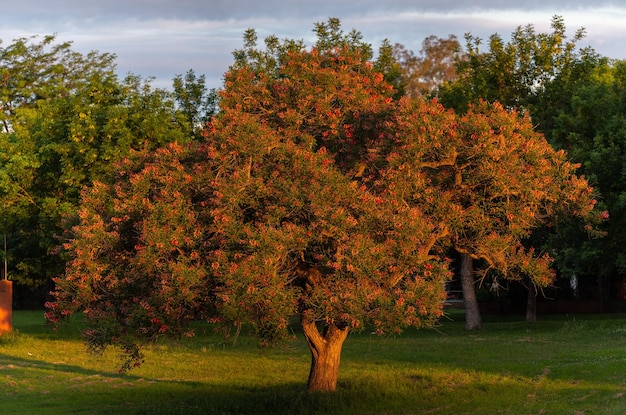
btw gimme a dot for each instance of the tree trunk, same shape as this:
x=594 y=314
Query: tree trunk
x=325 y=355
x=531 y=303
x=603 y=293
x=473 y=320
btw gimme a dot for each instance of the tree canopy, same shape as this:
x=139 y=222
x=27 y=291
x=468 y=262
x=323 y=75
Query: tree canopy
x=67 y=119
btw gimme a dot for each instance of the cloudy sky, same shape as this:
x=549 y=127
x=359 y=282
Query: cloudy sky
x=162 y=38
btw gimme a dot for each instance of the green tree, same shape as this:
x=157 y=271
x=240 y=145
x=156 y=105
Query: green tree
x=67 y=118
x=589 y=123
x=33 y=71
x=194 y=100
x=514 y=73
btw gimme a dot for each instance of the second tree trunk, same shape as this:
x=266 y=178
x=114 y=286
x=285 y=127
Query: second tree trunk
x=473 y=320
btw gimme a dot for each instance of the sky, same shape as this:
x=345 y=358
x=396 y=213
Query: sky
x=163 y=38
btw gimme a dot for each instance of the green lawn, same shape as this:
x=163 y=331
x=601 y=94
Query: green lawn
x=561 y=365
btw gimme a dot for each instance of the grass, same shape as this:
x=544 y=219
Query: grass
x=560 y=365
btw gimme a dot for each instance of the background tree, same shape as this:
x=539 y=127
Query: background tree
x=587 y=119
x=67 y=118
x=392 y=69
x=514 y=73
x=33 y=71
x=434 y=66
x=521 y=74
x=491 y=180
x=194 y=100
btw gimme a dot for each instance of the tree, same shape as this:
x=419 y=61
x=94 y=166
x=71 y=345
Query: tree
x=517 y=74
x=32 y=72
x=514 y=73
x=433 y=67
x=279 y=215
x=194 y=100
x=585 y=113
x=67 y=118
x=491 y=180
x=332 y=101
x=139 y=253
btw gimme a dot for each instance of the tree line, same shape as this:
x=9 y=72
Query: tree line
x=320 y=181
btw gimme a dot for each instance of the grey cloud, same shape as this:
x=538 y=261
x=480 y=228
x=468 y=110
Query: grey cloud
x=162 y=38
x=89 y=10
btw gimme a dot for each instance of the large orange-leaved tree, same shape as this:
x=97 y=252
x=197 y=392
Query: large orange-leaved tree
x=285 y=210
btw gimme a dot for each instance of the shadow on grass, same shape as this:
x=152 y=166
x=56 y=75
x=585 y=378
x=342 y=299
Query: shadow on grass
x=279 y=399
x=81 y=390
x=15 y=367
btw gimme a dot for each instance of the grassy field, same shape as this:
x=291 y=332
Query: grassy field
x=561 y=365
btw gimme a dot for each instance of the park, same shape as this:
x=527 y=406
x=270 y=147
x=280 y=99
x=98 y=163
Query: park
x=204 y=251
x=566 y=364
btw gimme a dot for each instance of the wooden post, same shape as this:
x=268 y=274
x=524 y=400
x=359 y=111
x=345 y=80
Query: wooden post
x=6 y=305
